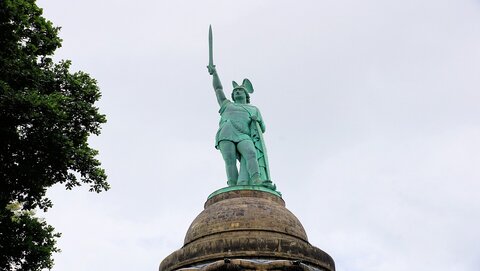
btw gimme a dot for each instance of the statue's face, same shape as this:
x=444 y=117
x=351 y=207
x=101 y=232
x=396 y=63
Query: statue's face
x=239 y=94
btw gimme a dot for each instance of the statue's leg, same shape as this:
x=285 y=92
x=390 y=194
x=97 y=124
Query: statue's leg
x=243 y=178
x=229 y=153
x=248 y=152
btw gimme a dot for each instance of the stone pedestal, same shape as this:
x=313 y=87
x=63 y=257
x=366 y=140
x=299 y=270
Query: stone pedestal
x=246 y=229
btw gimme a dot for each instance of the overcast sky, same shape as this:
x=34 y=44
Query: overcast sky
x=372 y=114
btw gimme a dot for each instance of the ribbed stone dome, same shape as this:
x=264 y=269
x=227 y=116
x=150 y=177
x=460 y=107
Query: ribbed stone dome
x=245 y=210
x=246 y=224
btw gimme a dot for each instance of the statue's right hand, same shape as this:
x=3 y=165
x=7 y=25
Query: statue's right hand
x=211 y=69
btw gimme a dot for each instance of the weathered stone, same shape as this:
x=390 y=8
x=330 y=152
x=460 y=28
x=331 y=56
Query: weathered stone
x=246 y=224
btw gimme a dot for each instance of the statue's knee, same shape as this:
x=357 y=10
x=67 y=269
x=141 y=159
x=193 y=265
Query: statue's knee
x=230 y=161
x=250 y=154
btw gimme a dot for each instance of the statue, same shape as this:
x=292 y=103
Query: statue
x=239 y=135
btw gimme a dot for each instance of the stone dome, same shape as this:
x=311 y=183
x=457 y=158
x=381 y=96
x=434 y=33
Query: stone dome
x=245 y=210
x=246 y=224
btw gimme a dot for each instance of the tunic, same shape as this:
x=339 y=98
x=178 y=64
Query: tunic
x=235 y=122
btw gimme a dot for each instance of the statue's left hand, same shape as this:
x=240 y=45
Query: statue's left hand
x=253 y=118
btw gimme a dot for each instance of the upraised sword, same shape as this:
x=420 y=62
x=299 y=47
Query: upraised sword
x=210 y=49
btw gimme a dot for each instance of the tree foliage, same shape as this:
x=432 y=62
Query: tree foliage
x=27 y=242
x=46 y=116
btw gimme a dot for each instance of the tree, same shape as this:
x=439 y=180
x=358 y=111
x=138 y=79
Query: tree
x=27 y=242
x=47 y=114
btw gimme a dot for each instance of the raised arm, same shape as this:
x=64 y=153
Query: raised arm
x=217 y=85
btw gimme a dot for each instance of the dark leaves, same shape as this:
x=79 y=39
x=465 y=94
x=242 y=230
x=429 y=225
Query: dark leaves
x=26 y=242
x=47 y=114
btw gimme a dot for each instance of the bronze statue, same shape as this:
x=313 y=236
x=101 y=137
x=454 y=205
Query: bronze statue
x=239 y=136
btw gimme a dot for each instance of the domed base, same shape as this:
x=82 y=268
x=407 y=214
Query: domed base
x=247 y=225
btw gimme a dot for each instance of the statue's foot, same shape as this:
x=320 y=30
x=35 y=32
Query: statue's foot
x=231 y=183
x=255 y=180
x=269 y=185
x=242 y=182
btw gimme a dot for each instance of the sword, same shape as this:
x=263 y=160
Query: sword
x=264 y=149
x=210 y=66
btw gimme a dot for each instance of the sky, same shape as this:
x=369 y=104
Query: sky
x=371 y=113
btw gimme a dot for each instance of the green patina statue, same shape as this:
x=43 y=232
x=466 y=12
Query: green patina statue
x=239 y=136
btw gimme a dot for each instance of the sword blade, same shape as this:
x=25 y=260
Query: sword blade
x=264 y=149
x=210 y=47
